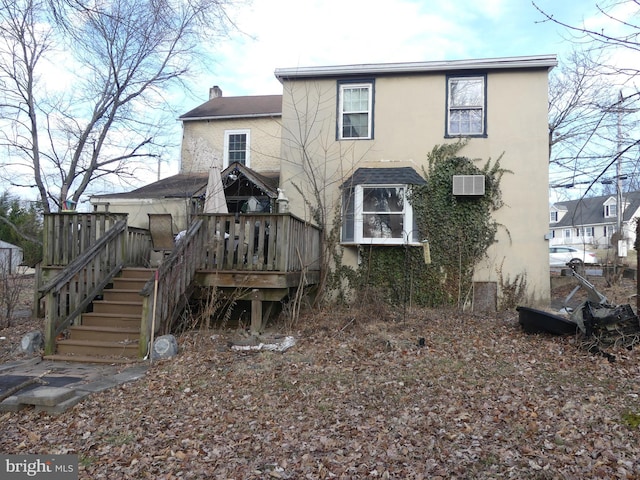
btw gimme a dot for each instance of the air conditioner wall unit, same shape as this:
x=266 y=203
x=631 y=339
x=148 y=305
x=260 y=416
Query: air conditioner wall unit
x=472 y=185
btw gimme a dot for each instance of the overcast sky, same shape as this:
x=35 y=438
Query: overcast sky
x=292 y=33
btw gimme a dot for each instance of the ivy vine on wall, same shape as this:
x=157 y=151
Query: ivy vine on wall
x=459 y=229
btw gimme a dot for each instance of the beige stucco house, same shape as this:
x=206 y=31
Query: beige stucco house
x=229 y=132
x=341 y=122
x=372 y=126
x=227 y=129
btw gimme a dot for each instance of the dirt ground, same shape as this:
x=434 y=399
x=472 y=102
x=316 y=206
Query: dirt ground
x=363 y=393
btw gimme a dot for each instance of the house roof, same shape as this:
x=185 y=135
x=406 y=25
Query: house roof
x=268 y=183
x=536 y=61
x=590 y=211
x=8 y=245
x=220 y=108
x=192 y=185
x=177 y=186
x=395 y=175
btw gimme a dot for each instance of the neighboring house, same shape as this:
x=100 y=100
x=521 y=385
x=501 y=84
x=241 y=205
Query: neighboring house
x=10 y=258
x=241 y=135
x=592 y=221
x=368 y=129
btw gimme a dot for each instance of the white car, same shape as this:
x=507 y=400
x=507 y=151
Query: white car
x=560 y=256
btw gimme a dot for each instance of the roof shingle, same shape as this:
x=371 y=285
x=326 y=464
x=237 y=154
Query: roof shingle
x=237 y=107
x=395 y=175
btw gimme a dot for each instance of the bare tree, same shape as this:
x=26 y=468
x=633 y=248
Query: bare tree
x=317 y=164
x=13 y=285
x=593 y=97
x=120 y=58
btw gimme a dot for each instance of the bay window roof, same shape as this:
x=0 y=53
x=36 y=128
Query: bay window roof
x=384 y=176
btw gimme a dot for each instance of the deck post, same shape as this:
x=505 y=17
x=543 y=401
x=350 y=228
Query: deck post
x=50 y=325
x=256 y=311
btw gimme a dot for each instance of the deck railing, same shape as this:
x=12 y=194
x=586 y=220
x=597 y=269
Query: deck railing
x=68 y=235
x=167 y=292
x=72 y=290
x=103 y=245
x=260 y=242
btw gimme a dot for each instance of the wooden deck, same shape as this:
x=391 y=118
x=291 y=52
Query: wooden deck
x=263 y=255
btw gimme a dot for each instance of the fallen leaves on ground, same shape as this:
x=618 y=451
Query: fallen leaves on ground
x=359 y=398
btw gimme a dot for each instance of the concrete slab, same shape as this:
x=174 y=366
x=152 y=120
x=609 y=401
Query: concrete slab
x=46 y=396
x=30 y=362
x=62 y=407
x=130 y=374
x=69 y=382
x=97 y=386
x=11 y=404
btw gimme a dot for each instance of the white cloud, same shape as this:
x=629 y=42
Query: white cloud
x=290 y=33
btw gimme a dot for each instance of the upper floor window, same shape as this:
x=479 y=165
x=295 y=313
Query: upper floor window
x=355 y=111
x=236 y=147
x=610 y=210
x=466 y=106
x=553 y=216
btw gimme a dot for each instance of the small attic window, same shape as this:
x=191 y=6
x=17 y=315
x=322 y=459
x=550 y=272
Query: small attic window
x=611 y=210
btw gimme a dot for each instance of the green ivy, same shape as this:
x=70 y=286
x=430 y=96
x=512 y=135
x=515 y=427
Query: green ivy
x=459 y=231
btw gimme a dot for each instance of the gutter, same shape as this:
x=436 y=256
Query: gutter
x=538 y=61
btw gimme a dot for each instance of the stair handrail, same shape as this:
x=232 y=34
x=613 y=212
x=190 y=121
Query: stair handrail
x=89 y=273
x=175 y=277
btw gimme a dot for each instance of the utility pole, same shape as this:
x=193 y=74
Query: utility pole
x=619 y=206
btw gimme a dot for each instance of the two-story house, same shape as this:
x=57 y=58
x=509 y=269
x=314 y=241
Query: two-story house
x=371 y=127
x=350 y=132
x=592 y=221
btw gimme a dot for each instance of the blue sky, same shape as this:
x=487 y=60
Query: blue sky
x=290 y=33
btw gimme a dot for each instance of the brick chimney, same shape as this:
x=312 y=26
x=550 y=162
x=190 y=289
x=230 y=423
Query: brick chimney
x=215 y=92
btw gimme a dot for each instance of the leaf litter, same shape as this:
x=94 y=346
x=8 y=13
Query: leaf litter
x=434 y=394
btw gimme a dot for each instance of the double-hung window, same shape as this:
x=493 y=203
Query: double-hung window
x=355 y=110
x=611 y=210
x=237 y=147
x=379 y=215
x=466 y=106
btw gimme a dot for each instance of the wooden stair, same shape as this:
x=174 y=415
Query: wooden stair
x=110 y=332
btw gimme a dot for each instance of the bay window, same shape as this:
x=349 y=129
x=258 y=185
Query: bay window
x=379 y=215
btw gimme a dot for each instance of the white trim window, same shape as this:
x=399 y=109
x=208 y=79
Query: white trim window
x=611 y=210
x=237 y=147
x=553 y=216
x=378 y=215
x=355 y=111
x=465 y=106
x=585 y=232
